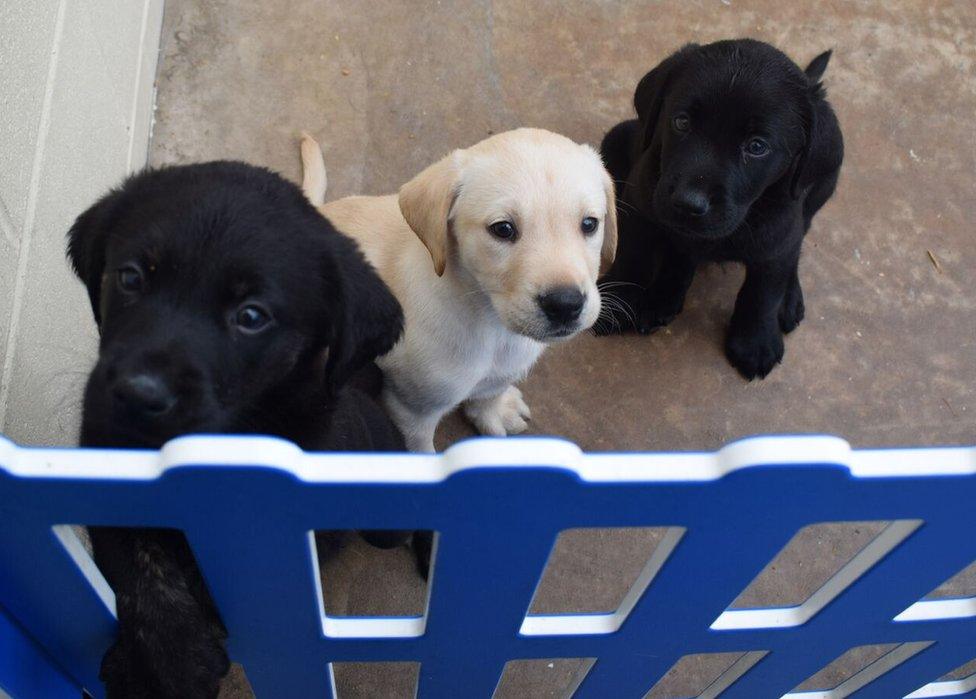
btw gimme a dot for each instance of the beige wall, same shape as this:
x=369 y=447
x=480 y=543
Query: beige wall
x=76 y=94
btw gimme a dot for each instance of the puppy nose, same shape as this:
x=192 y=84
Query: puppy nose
x=691 y=202
x=563 y=304
x=144 y=393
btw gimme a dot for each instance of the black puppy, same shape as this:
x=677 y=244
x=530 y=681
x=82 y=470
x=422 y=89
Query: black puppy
x=225 y=304
x=733 y=152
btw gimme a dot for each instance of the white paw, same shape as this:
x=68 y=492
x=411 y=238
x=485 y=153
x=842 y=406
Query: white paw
x=502 y=415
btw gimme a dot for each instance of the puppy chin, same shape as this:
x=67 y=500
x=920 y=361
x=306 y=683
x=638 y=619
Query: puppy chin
x=536 y=327
x=701 y=229
x=117 y=434
x=561 y=335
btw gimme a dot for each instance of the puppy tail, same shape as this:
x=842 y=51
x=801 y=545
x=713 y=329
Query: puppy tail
x=314 y=178
x=817 y=66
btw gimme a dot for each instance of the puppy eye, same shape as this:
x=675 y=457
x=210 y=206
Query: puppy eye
x=589 y=225
x=757 y=148
x=252 y=318
x=130 y=279
x=503 y=230
x=681 y=123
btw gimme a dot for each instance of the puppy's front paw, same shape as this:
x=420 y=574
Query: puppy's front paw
x=792 y=310
x=754 y=354
x=122 y=673
x=193 y=670
x=656 y=315
x=501 y=415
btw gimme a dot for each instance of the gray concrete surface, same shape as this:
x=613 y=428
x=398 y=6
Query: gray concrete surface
x=887 y=354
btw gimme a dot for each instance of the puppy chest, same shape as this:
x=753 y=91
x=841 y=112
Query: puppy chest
x=509 y=360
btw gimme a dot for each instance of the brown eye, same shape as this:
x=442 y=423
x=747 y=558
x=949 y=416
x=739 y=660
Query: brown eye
x=757 y=148
x=130 y=279
x=681 y=123
x=589 y=225
x=252 y=318
x=503 y=230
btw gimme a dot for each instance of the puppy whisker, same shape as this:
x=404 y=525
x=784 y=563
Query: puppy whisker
x=627 y=205
x=603 y=319
x=602 y=286
x=626 y=309
x=612 y=303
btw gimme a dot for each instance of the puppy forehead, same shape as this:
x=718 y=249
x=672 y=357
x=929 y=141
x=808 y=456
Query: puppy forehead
x=741 y=98
x=532 y=175
x=217 y=250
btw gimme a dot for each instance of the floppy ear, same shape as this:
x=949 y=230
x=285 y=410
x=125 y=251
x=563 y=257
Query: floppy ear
x=814 y=93
x=87 y=239
x=609 y=250
x=650 y=92
x=802 y=158
x=426 y=201
x=367 y=319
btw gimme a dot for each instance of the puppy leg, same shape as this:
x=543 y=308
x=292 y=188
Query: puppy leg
x=754 y=344
x=423 y=549
x=385 y=538
x=499 y=415
x=666 y=296
x=418 y=428
x=791 y=311
x=170 y=642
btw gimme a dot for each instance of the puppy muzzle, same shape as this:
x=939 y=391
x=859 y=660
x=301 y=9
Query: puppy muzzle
x=145 y=399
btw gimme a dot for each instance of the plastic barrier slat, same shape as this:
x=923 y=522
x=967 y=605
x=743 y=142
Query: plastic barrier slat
x=26 y=670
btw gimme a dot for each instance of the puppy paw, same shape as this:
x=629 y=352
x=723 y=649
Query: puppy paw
x=754 y=354
x=203 y=667
x=657 y=314
x=501 y=415
x=650 y=322
x=792 y=310
x=122 y=673
x=419 y=443
x=146 y=669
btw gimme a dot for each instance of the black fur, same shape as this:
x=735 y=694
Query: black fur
x=694 y=194
x=209 y=240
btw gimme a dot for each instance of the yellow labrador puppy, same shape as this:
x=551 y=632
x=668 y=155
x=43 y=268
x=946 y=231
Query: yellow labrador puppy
x=493 y=252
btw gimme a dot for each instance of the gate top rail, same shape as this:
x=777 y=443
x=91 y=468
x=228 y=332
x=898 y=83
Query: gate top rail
x=509 y=452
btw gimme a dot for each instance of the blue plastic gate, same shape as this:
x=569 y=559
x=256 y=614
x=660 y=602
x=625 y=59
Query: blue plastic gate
x=248 y=506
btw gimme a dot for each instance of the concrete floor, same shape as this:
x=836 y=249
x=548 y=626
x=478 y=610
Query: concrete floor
x=886 y=356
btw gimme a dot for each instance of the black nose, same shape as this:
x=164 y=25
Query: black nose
x=563 y=304
x=691 y=202
x=144 y=393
